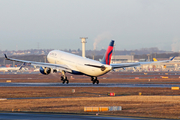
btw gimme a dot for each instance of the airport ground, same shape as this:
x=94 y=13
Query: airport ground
x=112 y=77
x=153 y=102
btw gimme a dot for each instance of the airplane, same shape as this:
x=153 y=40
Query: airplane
x=9 y=69
x=74 y=64
x=154 y=59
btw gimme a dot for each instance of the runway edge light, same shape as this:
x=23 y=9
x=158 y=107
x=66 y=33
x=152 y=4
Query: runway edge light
x=8 y=81
x=111 y=94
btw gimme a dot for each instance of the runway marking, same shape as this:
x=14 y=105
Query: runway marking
x=87 y=85
x=3 y=98
x=47 y=116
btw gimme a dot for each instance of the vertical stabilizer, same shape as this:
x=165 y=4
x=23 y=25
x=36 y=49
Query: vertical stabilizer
x=107 y=57
x=154 y=59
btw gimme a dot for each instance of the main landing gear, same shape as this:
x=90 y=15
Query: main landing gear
x=64 y=78
x=94 y=80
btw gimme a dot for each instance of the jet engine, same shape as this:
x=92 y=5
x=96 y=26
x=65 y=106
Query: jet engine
x=45 y=70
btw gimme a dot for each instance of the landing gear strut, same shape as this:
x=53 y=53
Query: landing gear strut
x=94 y=80
x=64 y=78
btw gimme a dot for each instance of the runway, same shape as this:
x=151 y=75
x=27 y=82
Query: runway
x=31 y=116
x=87 y=85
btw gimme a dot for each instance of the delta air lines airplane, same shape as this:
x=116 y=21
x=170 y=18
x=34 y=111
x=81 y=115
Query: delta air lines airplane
x=74 y=64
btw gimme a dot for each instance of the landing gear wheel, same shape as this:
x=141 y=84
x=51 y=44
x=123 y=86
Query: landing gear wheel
x=64 y=78
x=67 y=81
x=94 y=80
x=97 y=81
x=63 y=81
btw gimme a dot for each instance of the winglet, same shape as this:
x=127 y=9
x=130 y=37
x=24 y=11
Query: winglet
x=172 y=58
x=5 y=56
x=22 y=66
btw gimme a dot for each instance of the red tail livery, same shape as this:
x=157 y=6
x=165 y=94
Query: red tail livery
x=107 y=57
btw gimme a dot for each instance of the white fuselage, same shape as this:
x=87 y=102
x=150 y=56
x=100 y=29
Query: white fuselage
x=77 y=63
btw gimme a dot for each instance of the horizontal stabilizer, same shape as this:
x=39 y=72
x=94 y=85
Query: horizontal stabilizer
x=102 y=67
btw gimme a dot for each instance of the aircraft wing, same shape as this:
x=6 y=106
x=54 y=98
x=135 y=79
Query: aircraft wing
x=155 y=61
x=123 y=65
x=41 y=64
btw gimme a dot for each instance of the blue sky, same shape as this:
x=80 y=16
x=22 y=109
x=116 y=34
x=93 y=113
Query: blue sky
x=58 y=24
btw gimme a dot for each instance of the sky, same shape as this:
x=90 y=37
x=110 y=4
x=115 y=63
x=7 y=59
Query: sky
x=59 y=24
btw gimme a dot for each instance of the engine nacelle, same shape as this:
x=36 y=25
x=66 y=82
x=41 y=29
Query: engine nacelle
x=45 y=70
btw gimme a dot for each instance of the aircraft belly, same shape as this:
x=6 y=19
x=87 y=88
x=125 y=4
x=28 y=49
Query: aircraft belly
x=90 y=71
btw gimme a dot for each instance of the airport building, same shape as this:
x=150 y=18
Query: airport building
x=170 y=66
x=122 y=58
